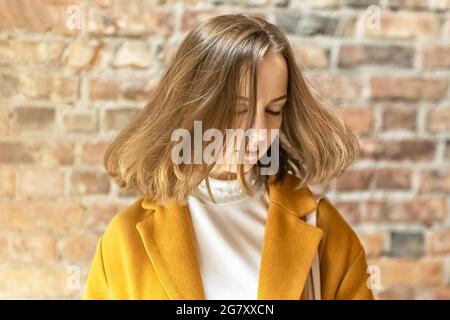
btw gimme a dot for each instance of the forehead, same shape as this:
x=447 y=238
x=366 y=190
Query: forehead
x=272 y=78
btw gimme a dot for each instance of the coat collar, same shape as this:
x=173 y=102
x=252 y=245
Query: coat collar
x=288 y=249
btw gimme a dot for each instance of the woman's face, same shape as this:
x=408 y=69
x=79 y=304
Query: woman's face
x=271 y=97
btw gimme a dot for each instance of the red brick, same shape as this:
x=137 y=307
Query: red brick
x=5 y=119
x=335 y=87
x=89 y=182
x=349 y=210
x=32 y=247
x=30 y=119
x=419 y=4
x=40 y=215
x=121 y=18
x=403 y=272
x=311 y=56
x=435 y=56
x=396 y=292
x=398 y=150
x=103 y=89
x=410 y=4
x=52 y=153
x=36 y=16
x=31 y=53
x=397 y=25
x=46 y=154
x=116 y=119
x=442 y=293
x=393 y=179
x=397 y=116
x=438 y=241
x=438 y=120
x=386 y=87
x=38 y=182
x=358 y=119
x=99 y=214
x=80 y=121
x=355 y=179
x=447 y=27
x=14 y=153
x=192 y=18
x=123 y=89
x=135 y=54
x=82 y=54
x=10 y=83
x=7 y=182
x=93 y=153
x=425 y=209
x=437 y=180
x=79 y=247
x=4 y=246
x=352 y=55
x=123 y=192
x=32 y=282
x=373 y=243
x=44 y=87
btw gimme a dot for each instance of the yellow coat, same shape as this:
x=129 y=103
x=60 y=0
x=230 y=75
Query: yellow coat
x=149 y=252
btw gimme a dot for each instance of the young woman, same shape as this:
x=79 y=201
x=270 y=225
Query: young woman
x=245 y=229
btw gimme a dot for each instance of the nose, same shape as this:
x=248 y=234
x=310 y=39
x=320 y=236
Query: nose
x=258 y=133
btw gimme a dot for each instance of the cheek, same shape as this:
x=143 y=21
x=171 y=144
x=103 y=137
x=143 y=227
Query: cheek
x=274 y=123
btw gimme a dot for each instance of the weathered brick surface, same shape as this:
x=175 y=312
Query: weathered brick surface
x=73 y=72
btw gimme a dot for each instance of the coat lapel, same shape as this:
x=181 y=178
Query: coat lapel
x=169 y=241
x=288 y=248
x=289 y=242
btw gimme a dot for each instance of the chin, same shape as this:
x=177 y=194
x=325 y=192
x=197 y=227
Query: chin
x=247 y=168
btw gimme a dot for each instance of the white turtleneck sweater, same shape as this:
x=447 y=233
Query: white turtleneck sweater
x=229 y=236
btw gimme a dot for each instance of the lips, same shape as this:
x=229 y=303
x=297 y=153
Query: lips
x=249 y=151
x=251 y=155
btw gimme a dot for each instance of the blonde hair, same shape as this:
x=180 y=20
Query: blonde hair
x=202 y=82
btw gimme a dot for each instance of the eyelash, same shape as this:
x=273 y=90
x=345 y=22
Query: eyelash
x=275 y=113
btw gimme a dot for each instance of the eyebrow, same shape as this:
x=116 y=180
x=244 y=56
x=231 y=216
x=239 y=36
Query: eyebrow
x=271 y=101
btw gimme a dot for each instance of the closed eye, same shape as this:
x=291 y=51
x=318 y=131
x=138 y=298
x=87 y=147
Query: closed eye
x=271 y=112
x=275 y=113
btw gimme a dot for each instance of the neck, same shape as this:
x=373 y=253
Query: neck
x=224 y=175
x=228 y=175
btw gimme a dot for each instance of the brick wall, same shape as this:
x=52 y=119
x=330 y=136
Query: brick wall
x=73 y=72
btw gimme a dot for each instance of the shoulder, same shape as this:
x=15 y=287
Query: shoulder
x=344 y=267
x=122 y=227
x=338 y=234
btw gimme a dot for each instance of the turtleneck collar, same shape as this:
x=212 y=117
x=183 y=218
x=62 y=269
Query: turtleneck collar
x=294 y=199
x=227 y=192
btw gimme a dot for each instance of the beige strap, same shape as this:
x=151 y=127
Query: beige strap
x=313 y=280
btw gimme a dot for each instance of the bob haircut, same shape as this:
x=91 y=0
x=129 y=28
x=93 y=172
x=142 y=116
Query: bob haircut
x=202 y=83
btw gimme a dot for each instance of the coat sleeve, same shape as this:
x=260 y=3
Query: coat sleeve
x=96 y=287
x=355 y=283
